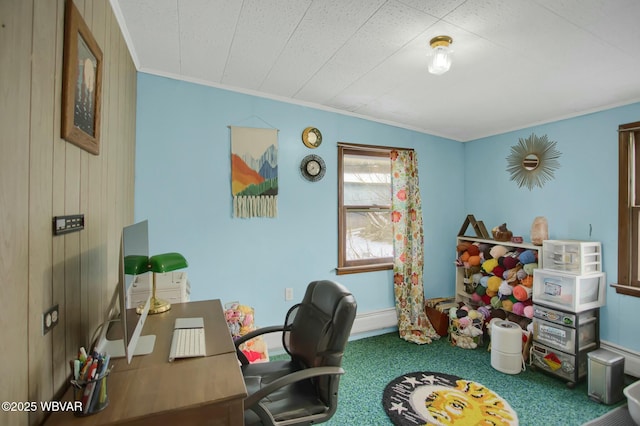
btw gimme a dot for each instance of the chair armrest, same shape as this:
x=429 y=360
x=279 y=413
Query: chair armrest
x=297 y=376
x=258 y=332
x=255 y=333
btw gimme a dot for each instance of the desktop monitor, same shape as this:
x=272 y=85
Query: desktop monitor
x=133 y=265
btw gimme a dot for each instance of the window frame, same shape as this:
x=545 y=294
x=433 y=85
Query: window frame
x=363 y=265
x=628 y=213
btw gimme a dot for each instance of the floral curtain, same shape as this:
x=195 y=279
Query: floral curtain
x=408 y=245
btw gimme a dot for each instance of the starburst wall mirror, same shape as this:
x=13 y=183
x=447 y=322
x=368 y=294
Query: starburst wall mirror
x=532 y=161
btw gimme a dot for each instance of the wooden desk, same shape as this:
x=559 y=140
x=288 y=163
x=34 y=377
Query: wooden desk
x=151 y=391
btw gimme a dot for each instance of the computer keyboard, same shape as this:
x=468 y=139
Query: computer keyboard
x=187 y=342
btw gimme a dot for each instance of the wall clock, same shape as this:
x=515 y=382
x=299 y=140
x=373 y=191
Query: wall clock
x=312 y=168
x=311 y=137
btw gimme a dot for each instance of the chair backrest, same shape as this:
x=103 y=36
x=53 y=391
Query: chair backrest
x=320 y=329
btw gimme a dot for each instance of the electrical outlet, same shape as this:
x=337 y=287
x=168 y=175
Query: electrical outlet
x=50 y=319
x=288 y=293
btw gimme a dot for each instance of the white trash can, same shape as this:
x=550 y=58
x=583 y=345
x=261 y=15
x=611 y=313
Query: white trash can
x=506 y=346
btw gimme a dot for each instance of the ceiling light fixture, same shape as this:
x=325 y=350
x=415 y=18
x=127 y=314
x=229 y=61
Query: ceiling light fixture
x=440 y=55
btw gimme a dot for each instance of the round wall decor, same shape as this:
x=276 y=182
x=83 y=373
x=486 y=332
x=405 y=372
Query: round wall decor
x=311 y=137
x=312 y=168
x=532 y=161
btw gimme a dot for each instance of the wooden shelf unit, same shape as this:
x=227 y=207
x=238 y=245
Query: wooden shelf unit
x=461 y=294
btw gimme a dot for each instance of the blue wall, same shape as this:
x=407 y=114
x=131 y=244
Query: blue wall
x=183 y=187
x=580 y=203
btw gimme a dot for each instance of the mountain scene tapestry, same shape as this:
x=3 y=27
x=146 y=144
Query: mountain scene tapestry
x=254 y=172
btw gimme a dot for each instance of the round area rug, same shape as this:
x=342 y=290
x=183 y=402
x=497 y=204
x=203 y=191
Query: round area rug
x=427 y=398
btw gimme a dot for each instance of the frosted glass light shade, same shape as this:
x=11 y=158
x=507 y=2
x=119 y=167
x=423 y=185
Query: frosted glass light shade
x=440 y=54
x=440 y=60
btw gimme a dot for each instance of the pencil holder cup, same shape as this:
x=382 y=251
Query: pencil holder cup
x=90 y=396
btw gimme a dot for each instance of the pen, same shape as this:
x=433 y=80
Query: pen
x=85 y=369
x=76 y=369
x=89 y=387
x=102 y=397
x=76 y=376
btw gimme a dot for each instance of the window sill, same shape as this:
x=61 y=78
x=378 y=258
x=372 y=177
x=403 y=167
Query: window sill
x=627 y=290
x=344 y=270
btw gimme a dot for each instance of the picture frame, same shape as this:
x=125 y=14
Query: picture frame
x=81 y=83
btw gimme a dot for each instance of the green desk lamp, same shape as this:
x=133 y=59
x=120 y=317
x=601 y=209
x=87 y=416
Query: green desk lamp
x=136 y=264
x=161 y=263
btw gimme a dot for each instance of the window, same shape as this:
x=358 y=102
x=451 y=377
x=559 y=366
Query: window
x=629 y=210
x=365 y=231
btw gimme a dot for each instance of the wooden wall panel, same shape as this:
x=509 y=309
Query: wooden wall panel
x=96 y=260
x=72 y=283
x=59 y=333
x=40 y=197
x=15 y=81
x=44 y=176
x=83 y=191
x=108 y=250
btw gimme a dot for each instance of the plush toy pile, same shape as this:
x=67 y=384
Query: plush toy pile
x=240 y=320
x=498 y=276
x=466 y=326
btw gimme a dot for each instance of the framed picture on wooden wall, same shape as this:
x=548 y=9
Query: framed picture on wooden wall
x=81 y=83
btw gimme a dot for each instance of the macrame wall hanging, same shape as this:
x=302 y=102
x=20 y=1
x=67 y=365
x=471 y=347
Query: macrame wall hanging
x=254 y=172
x=532 y=161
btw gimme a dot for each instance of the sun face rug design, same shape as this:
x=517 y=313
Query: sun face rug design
x=427 y=398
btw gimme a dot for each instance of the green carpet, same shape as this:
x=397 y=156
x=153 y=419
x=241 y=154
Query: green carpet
x=372 y=362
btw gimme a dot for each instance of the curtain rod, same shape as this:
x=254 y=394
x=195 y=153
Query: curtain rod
x=373 y=147
x=631 y=129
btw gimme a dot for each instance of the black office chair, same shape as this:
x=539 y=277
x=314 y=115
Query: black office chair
x=304 y=389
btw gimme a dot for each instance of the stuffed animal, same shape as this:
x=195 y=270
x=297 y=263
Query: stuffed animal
x=246 y=315
x=466 y=327
x=233 y=317
x=465 y=342
x=255 y=350
x=240 y=320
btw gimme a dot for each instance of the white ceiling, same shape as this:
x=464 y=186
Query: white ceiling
x=517 y=63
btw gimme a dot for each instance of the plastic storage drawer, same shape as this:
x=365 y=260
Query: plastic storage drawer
x=171 y=286
x=574 y=293
x=574 y=257
x=559 y=363
x=562 y=337
x=561 y=317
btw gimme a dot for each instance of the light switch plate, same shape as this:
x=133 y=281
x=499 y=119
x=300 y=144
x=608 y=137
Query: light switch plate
x=68 y=223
